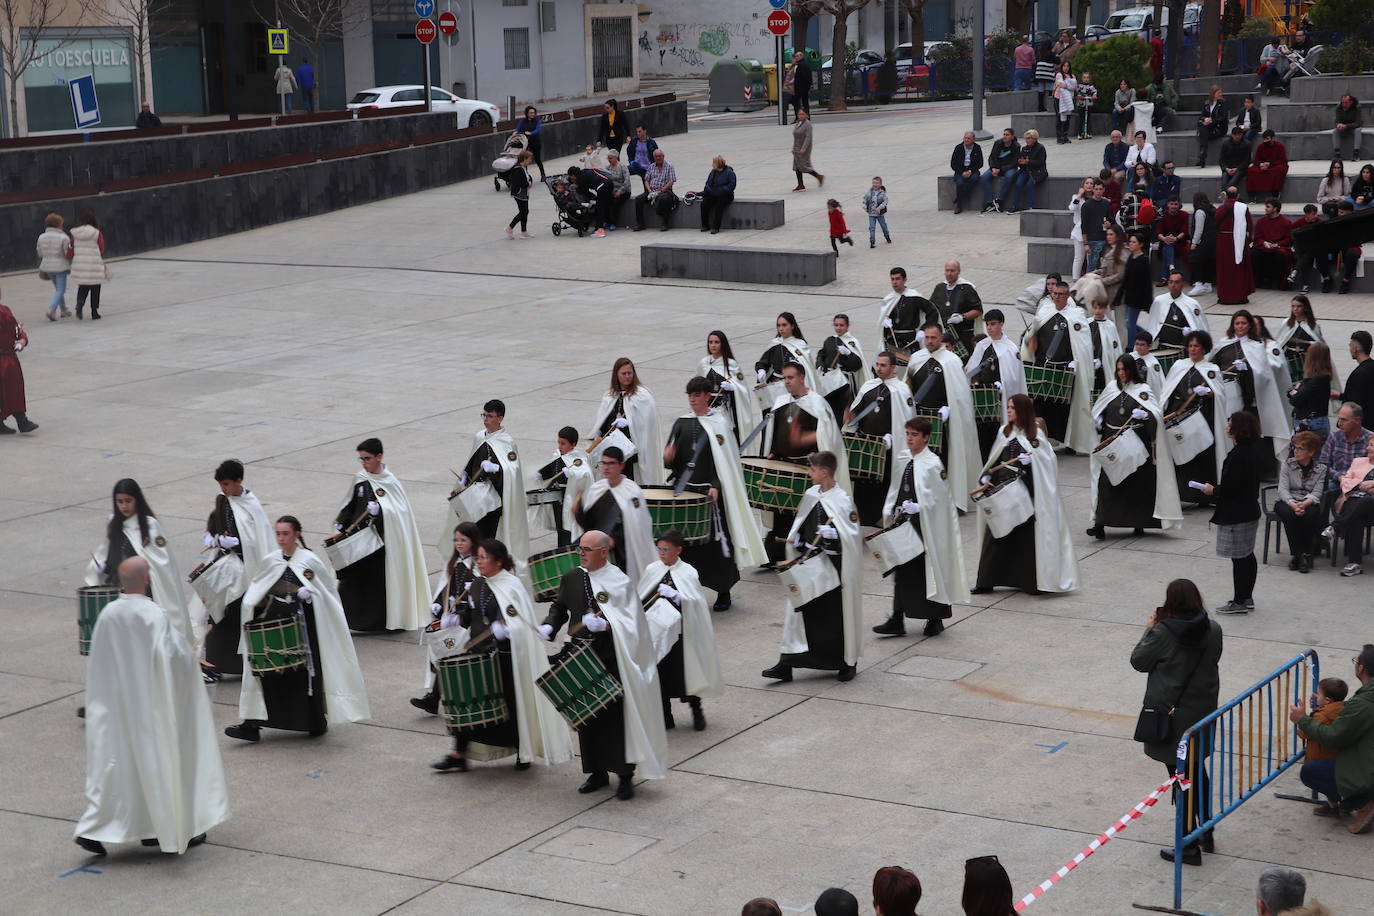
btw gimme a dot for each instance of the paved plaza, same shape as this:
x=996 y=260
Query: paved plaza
x=1009 y=734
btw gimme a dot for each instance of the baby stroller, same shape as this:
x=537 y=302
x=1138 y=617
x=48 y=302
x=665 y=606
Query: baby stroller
x=574 y=212
x=515 y=145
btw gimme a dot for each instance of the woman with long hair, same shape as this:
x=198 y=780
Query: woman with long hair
x=1064 y=87
x=729 y=388
x=1333 y=188
x=451 y=589
x=1310 y=396
x=133 y=530
x=1144 y=498
x=1297 y=333
x=987 y=888
x=1037 y=554
x=1237 y=514
x=1136 y=291
x=1111 y=266
x=789 y=346
x=1194 y=386
x=1247 y=364
x=629 y=406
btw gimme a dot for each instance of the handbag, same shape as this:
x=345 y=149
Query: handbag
x=44 y=275
x=1154 y=722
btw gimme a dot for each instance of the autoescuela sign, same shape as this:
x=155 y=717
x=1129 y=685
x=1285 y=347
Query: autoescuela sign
x=63 y=58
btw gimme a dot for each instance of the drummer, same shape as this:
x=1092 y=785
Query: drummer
x=499 y=618
x=825 y=633
x=238 y=525
x=1173 y=314
x=1195 y=383
x=956 y=307
x=840 y=353
x=690 y=671
x=627 y=734
x=702 y=449
x=938 y=384
x=1057 y=338
x=452 y=589
x=1037 y=555
x=386 y=589
x=995 y=363
x=728 y=388
x=924 y=588
x=789 y=346
x=899 y=318
x=630 y=408
x=569 y=474
x=890 y=401
x=1149 y=365
x=615 y=504
x=1145 y=498
x=496 y=461
x=295 y=584
x=1106 y=344
x=1244 y=358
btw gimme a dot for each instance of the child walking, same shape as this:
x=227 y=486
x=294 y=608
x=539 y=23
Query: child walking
x=839 y=232
x=875 y=205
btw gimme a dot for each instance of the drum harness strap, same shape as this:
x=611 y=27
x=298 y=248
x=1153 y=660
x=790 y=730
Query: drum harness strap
x=300 y=622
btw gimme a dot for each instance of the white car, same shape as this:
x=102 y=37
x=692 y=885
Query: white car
x=469 y=112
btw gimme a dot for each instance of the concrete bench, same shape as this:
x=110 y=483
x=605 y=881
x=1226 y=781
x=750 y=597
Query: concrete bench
x=1182 y=147
x=1056 y=190
x=1046 y=224
x=1237 y=84
x=1300 y=117
x=1005 y=103
x=743 y=213
x=1329 y=89
x=1099 y=125
x=771 y=266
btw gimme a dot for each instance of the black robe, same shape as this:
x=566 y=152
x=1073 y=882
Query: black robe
x=988 y=372
x=605 y=516
x=909 y=579
x=608 y=423
x=1170 y=336
x=724 y=400
x=907 y=316
x=294 y=697
x=1132 y=503
x=714 y=560
x=782 y=421
x=362 y=585
x=823 y=617
x=473 y=469
x=869 y=493
x=1102 y=364
x=1010 y=561
x=945 y=302
x=477 y=613
x=928 y=393
x=831 y=359
x=222 y=640
x=672 y=677
x=1053 y=347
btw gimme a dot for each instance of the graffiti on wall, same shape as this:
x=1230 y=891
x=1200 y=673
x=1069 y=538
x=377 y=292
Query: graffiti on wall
x=691 y=49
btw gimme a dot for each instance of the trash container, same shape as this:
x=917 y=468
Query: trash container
x=737 y=85
x=770 y=76
x=813 y=57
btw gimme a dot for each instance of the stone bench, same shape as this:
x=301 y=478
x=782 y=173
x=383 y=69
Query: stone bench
x=1056 y=190
x=1046 y=224
x=1316 y=145
x=1237 y=84
x=997 y=104
x=1099 y=125
x=771 y=266
x=1329 y=89
x=1300 y=117
x=743 y=213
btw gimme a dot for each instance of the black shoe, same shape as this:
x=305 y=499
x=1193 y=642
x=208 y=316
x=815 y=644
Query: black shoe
x=149 y=842
x=638 y=228
x=81 y=713
x=94 y=847
x=1326 y=284
x=594 y=782
x=715 y=231
x=934 y=627
x=660 y=229
x=450 y=762
x=723 y=602
x=705 y=229
x=778 y=672
x=1098 y=532
x=847 y=673
x=24 y=423
x=981 y=590
x=668 y=720
x=316 y=732
x=196 y=840
x=893 y=626
x=625 y=790
x=1138 y=532
x=429 y=703
x=1305 y=565
x=1345 y=287
x=698 y=717
x=1192 y=855
x=1293 y=563
x=5 y=430
x=522 y=765
x=244 y=732
x=95 y=316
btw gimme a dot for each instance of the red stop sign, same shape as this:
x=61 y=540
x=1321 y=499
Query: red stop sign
x=779 y=21
x=425 y=31
x=448 y=23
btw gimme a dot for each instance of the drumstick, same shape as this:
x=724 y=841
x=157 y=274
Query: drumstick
x=811 y=549
x=764 y=485
x=1005 y=464
x=1192 y=396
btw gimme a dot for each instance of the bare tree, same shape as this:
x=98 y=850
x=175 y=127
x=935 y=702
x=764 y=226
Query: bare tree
x=1211 y=37
x=841 y=10
x=1080 y=23
x=916 y=10
x=136 y=18
x=312 y=23
x=26 y=31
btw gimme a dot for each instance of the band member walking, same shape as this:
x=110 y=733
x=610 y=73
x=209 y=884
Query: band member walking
x=956 y=308
x=630 y=408
x=452 y=589
x=839 y=365
x=690 y=671
x=239 y=526
x=995 y=363
x=615 y=505
x=728 y=387
x=789 y=346
x=495 y=464
x=900 y=317
x=569 y=474
x=940 y=387
x=1058 y=339
x=1194 y=399
x=890 y=401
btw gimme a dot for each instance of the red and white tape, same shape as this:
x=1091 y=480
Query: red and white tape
x=1102 y=839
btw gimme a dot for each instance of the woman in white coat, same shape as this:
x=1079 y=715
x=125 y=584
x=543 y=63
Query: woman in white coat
x=629 y=408
x=89 y=270
x=54 y=261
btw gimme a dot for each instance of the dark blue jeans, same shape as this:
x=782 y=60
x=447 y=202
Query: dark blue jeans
x=1022 y=188
x=962 y=186
x=1320 y=776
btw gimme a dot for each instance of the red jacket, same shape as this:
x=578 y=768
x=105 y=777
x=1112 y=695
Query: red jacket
x=837 y=226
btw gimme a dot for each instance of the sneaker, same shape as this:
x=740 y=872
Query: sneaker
x=1306 y=288
x=52 y=316
x=1363 y=819
x=526 y=235
x=872 y=244
x=601 y=233
x=1351 y=569
x=1234 y=607
x=610 y=227
x=988 y=207
x=1328 y=533
x=889 y=239
x=510 y=233
x=1196 y=289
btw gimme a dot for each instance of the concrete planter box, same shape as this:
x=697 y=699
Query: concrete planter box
x=769 y=266
x=1330 y=88
x=1005 y=103
x=1182 y=148
x=1056 y=191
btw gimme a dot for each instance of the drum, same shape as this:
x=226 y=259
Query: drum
x=1049 y=384
x=617 y=438
x=475 y=501
x=1295 y=353
x=808 y=580
x=766 y=395
x=1121 y=457
x=689 y=513
x=772 y=484
x=1167 y=358
x=894 y=546
x=470 y=691
x=832 y=381
x=443 y=643
x=937 y=426
x=867 y=456
x=274 y=644
x=535 y=498
x=578 y=684
x=219 y=582
x=90 y=601
x=987 y=403
x=1005 y=506
x=1189 y=435
x=347 y=550
x=547 y=568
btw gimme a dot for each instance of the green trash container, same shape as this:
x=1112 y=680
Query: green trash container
x=737 y=85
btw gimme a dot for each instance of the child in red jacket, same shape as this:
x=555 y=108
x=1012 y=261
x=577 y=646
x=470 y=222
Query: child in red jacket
x=839 y=232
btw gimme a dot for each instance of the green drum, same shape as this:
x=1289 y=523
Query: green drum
x=937 y=427
x=578 y=685
x=987 y=403
x=90 y=601
x=547 y=568
x=867 y=456
x=1295 y=353
x=470 y=691
x=1166 y=358
x=772 y=484
x=689 y=513
x=1049 y=383
x=274 y=645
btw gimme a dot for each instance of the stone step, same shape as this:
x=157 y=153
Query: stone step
x=997 y=104
x=1330 y=88
x=1299 y=117
x=1058 y=189
x=1099 y=125
x=770 y=266
x=1310 y=145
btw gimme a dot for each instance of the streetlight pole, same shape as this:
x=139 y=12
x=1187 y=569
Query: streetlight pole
x=979 y=63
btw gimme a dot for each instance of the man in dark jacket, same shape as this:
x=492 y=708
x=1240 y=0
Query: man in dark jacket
x=1348 y=124
x=146 y=119
x=1235 y=159
x=1001 y=162
x=1348 y=781
x=1166 y=185
x=1114 y=155
x=594 y=185
x=966 y=162
x=801 y=82
x=639 y=152
x=717 y=194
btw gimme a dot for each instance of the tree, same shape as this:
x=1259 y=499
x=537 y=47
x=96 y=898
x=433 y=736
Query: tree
x=1339 y=14
x=312 y=23
x=1121 y=57
x=1211 y=38
x=26 y=28
x=916 y=10
x=1080 y=21
x=136 y=17
x=841 y=10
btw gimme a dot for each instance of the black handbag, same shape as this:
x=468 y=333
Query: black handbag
x=1155 y=722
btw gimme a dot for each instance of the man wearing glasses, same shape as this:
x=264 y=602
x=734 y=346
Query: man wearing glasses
x=1347 y=781
x=615 y=505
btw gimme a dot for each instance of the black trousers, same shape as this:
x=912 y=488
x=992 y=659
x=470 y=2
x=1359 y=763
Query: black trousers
x=522 y=215
x=1301 y=530
x=1351 y=521
x=662 y=205
x=82 y=292
x=713 y=209
x=1207 y=133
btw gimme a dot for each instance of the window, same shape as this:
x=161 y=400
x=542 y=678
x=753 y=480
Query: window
x=439 y=95
x=408 y=95
x=515 y=3
x=548 y=16
x=517 y=49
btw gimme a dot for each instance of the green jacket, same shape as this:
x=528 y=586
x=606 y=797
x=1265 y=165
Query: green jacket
x=1183 y=659
x=1351 y=736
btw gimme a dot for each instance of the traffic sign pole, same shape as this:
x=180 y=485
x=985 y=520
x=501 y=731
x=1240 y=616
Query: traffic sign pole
x=779 y=22
x=782 y=103
x=425 y=30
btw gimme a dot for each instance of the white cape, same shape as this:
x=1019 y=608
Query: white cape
x=1192 y=310
x=1221 y=443
x=1111 y=342
x=854 y=379
x=1270 y=403
x=700 y=658
x=898 y=405
x=946 y=582
x=1167 y=507
x=642 y=412
x=961 y=433
x=745 y=537
x=637 y=528
x=577 y=474
x=407 y=579
x=513 y=529
x=153 y=765
x=1313 y=332
x=828 y=437
x=1154 y=373
x=166 y=581
x=1010 y=370
x=740 y=399
x=1056 y=566
x=1080 y=436
x=256 y=539
x=801 y=353
x=845 y=519
x=344 y=694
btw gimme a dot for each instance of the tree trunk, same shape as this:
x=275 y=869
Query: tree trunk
x=838 y=39
x=801 y=24
x=918 y=31
x=1174 y=43
x=14 y=109
x=1081 y=20
x=1211 y=36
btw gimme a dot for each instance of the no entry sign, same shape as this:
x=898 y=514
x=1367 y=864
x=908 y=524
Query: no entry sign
x=448 y=23
x=779 y=21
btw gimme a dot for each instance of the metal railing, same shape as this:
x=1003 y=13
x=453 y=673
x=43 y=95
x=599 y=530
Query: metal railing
x=1232 y=754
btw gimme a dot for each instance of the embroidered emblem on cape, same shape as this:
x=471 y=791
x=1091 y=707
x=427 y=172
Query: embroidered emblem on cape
x=510 y=610
x=510 y=456
x=309 y=574
x=602 y=597
x=160 y=541
x=634 y=501
x=380 y=492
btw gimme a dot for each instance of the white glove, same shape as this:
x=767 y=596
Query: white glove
x=910 y=507
x=227 y=541
x=449 y=621
x=828 y=532
x=944 y=414
x=1073 y=365
x=1138 y=414
x=305 y=594
x=1188 y=330
x=1202 y=391
x=546 y=631
x=208 y=540
x=798 y=543
x=1097 y=421
x=1240 y=364
x=435 y=609
x=622 y=423
x=844 y=351
x=985 y=480
x=997 y=385
x=887 y=322
x=1097 y=364
x=594 y=623
x=463 y=479
x=667 y=591
x=373 y=507
x=887 y=439
x=19 y=346
x=956 y=318
x=763 y=374
x=727 y=386
x=499 y=630
x=1024 y=458
x=491 y=467
x=338 y=526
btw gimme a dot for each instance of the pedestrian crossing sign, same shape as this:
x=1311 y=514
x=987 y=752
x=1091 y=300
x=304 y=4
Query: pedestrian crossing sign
x=277 y=42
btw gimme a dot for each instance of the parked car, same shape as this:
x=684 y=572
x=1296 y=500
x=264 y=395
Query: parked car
x=1139 y=21
x=1096 y=33
x=862 y=58
x=469 y=112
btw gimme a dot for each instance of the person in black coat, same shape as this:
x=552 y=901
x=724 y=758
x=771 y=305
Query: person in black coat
x=1237 y=514
x=801 y=84
x=1211 y=123
x=966 y=162
x=611 y=129
x=717 y=194
x=1235 y=159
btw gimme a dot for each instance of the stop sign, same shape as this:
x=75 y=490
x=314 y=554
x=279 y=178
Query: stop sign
x=448 y=23
x=779 y=21
x=425 y=31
